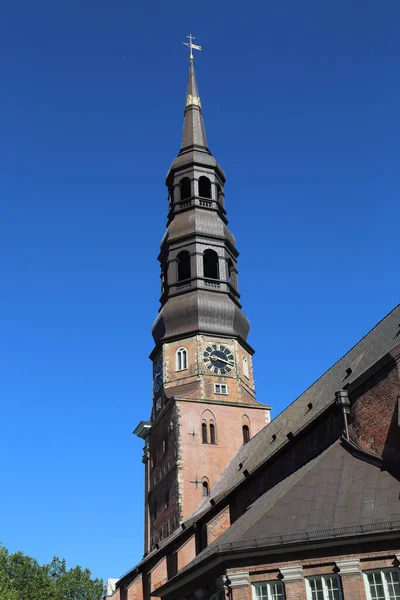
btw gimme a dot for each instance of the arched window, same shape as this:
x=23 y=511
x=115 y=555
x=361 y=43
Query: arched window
x=206 y=490
x=164 y=278
x=204 y=187
x=181 y=359
x=246 y=434
x=212 y=433
x=186 y=192
x=183 y=260
x=204 y=433
x=245 y=364
x=210 y=264
x=170 y=196
x=220 y=195
x=230 y=270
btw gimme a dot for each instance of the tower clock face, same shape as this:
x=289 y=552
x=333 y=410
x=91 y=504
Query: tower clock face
x=157 y=373
x=218 y=359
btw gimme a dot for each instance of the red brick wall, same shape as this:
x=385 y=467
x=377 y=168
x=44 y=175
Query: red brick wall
x=218 y=525
x=186 y=553
x=243 y=593
x=135 y=590
x=187 y=457
x=159 y=574
x=374 y=414
x=353 y=587
x=295 y=590
x=163 y=475
x=209 y=460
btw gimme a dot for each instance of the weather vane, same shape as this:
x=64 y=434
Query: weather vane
x=191 y=45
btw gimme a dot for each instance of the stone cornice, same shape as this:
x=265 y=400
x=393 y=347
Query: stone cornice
x=349 y=566
x=292 y=574
x=238 y=580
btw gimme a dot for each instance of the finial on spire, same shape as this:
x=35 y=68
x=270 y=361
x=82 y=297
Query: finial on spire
x=191 y=45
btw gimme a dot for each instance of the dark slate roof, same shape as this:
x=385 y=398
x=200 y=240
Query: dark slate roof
x=383 y=338
x=334 y=491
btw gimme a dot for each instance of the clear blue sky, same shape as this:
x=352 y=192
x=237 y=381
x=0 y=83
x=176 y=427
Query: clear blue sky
x=301 y=104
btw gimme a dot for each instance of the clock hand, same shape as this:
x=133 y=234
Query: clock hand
x=213 y=357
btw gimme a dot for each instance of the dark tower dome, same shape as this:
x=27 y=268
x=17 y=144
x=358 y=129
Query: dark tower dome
x=198 y=252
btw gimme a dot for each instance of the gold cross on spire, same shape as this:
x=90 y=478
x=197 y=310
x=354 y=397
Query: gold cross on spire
x=191 y=45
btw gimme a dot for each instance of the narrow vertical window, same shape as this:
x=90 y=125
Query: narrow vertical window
x=220 y=194
x=230 y=270
x=183 y=260
x=245 y=364
x=205 y=488
x=204 y=433
x=186 y=192
x=212 y=433
x=166 y=502
x=210 y=264
x=204 y=187
x=181 y=359
x=246 y=434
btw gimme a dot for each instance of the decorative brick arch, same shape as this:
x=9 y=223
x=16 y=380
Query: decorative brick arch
x=208 y=427
x=246 y=428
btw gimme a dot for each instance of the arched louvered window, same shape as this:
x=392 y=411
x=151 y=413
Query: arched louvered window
x=186 y=192
x=183 y=260
x=206 y=489
x=246 y=434
x=210 y=264
x=181 y=359
x=220 y=195
x=204 y=438
x=212 y=433
x=230 y=270
x=245 y=364
x=204 y=187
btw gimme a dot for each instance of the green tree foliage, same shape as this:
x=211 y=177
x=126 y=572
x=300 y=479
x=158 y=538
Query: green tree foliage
x=23 y=578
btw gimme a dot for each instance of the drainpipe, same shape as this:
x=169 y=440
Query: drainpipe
x=342 y=400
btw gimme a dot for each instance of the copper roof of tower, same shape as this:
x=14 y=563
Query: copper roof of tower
x=194 y=133
x=198 y=302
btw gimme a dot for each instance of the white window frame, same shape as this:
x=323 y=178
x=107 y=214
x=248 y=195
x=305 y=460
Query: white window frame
x=382 y=573
x=245 y=366
x=268 y=584
x=324 y=585
x=181 y=359
x=221 y=388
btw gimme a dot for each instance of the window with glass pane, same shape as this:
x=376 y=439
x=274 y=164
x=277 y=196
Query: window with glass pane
x=269 y=591
x=383 y=585
x=324 y=588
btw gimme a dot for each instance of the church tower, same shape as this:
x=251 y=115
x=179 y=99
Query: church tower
x=204 y=404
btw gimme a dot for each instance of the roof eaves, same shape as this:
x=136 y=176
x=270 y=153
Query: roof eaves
x=263 y=545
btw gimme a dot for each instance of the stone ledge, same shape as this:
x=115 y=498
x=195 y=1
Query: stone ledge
x=237 y=580
x=349 y=567
x=294 y=573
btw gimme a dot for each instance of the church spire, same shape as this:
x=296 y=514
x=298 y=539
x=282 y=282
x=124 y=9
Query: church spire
x=194 y=133
x=199 y=278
